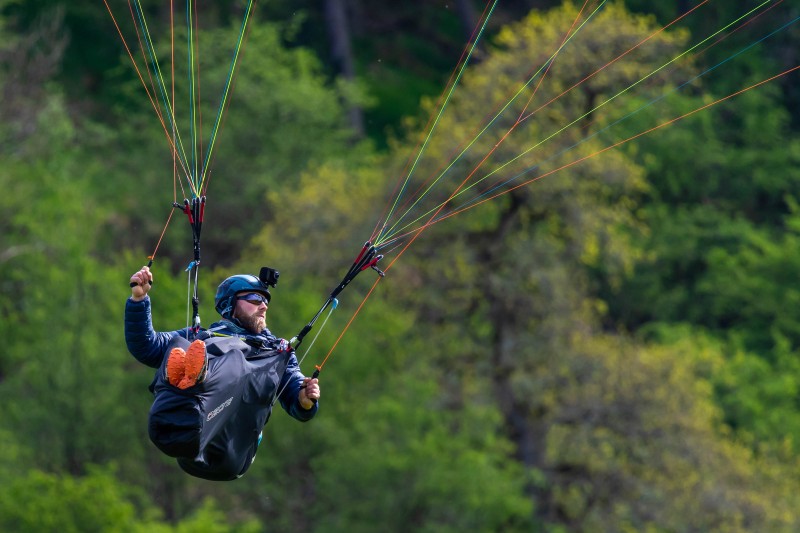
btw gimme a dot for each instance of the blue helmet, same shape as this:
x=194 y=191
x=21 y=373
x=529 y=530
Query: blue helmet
x=225 y=300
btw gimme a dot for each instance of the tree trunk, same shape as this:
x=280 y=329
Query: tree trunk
x=342 y=54
x=467 y=16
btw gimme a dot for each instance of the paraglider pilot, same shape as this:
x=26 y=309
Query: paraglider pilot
x=214 y=388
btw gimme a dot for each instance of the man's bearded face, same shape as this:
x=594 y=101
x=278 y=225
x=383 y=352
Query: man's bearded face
x=251 y=316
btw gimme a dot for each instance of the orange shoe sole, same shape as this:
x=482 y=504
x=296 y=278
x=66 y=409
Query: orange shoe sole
x=194 y=364
x=176 y=366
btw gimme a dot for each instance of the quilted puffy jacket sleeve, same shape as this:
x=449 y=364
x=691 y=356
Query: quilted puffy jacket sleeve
x=144 y=343
x=290 y=386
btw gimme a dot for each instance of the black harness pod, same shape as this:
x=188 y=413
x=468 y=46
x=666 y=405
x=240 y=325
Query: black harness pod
x=214 y=427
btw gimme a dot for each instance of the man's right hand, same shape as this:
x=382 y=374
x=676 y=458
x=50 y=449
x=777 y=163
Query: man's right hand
x=141 y=282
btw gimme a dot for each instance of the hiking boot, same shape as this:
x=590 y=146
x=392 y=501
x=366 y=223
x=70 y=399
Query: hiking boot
x=194 y=365
x=176 y=366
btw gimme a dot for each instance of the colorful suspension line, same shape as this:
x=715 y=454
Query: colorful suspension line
x=192 y=163
x=496 y=186
x=203 y=183
x=394 y=233
x=384 y=239
x=418 y=231
x=368 y=257
x=195 y=165
x=441 y=103
x=622 y=119
x=540 y=73
x=617 y=144
x=441 y=111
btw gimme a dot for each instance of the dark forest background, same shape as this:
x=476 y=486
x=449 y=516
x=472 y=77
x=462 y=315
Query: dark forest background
x=612 y=348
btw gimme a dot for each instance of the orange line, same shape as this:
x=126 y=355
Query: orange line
x=505 y=136
x=615 y=59
x=153 y=255
x=319 y=367
x=224 y=116
x=416 y=150
x=615 y=145
x=141 y=78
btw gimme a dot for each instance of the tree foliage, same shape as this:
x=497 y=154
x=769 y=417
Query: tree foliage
x=611 y=347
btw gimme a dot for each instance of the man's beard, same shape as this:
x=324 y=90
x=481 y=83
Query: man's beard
x=252 y=323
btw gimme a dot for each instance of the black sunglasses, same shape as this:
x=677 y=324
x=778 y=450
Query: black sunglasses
x=254 y=298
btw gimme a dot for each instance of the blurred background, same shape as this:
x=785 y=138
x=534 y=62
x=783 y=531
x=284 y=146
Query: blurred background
x=601 y=334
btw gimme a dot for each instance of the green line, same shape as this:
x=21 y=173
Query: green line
x=190 y=51
x=156 y=70
x=438 y=117
x=225 y=93
x=390 y=231
x=582 y=116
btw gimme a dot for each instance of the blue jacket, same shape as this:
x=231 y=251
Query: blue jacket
x=150 y=347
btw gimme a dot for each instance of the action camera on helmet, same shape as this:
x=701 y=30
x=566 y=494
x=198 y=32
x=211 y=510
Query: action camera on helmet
x=269 y=276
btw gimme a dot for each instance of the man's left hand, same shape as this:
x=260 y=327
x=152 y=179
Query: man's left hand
x=309 y=393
